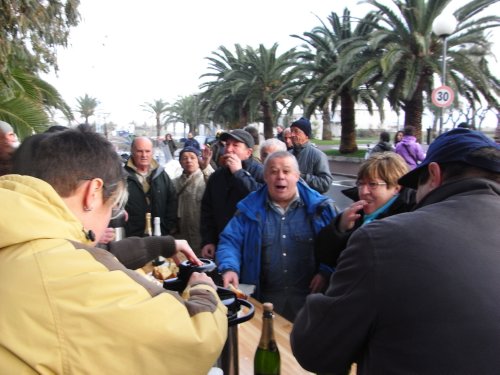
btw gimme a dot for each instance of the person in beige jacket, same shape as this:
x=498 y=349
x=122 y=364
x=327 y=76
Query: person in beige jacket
x=70 y=308
x=190 y=186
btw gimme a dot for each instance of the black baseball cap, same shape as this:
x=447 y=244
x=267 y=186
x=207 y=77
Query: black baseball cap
x=240 y=135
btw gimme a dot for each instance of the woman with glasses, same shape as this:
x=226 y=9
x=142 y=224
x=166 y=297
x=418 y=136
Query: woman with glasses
x=376 y=195
x=69 y=307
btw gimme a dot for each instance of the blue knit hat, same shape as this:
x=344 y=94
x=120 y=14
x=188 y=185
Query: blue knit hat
x=304 y=125
x=194 y=150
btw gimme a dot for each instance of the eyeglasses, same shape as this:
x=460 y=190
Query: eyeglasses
x=371 y=185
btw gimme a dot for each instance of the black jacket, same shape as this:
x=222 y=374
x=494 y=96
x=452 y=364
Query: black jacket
x=224 y=190
x=330 y=241
x=414 y=293
x=162 y=202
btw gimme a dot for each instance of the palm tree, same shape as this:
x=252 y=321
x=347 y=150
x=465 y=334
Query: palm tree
x=187 y=110
x=254 y=80
x=86 y=107
x=267 y=79
x=324 y=83
x=25 y=101
x=159 y=108
x=406 y=55
x=220 y=100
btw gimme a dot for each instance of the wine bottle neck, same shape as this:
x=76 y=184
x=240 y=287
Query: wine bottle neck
x=267 y=340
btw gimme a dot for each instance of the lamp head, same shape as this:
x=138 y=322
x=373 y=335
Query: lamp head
x=444 y=25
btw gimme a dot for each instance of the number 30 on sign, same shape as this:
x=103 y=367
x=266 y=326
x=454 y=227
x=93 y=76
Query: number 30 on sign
x=442 y=96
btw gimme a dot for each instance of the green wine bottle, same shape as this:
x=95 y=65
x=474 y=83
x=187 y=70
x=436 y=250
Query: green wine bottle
x=267 y=357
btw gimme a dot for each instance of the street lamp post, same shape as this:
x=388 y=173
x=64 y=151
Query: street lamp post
x=443 y=26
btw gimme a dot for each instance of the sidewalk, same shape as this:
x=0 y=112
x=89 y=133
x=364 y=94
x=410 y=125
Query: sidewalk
x=344 y=166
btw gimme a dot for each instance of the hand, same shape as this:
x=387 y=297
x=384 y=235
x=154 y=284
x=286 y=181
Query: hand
x=318 y=284
x=350 y=215
x=200 y=277
x=182 y=246
x=206 y=156
x=233 y=162
x=208 y=251
x=230 y=277
x=107 y=236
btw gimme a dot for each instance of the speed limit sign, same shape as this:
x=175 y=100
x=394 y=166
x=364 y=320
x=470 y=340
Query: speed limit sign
x=442 y=96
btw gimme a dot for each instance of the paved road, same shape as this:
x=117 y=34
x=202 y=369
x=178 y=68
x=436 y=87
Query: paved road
x=340 y=183
x=344 y=175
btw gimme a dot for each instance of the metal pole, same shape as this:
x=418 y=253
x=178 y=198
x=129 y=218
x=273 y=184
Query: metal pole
x=443 y=80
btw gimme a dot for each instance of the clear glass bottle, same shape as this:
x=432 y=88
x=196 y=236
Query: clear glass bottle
x=267 y=357
x=157 y=226
x=157 y=232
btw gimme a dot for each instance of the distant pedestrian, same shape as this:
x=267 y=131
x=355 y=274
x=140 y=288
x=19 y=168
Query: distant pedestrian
x=279 y=133
x=398 y=137
x=409 y=149
x=383 y=144
x=192 y=142
x=169 y=141
x=256 y=139
x=287 y=138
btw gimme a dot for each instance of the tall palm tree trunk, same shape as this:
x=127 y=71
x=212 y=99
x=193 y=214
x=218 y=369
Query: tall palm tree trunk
x=327 y=125
x=268 y=120
x=347 y=120
x=243 y=120
x=414 y=109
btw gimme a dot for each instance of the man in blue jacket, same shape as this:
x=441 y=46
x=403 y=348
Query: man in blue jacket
x=270 y=240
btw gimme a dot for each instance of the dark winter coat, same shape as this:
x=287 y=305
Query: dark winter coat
x=162 y=202
x=224 y=190
x=415 y=293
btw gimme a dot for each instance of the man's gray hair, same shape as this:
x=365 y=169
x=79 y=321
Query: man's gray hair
x=282 y=155
x=271 y=143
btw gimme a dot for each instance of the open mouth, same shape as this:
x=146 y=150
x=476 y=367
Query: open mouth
x=280 y=187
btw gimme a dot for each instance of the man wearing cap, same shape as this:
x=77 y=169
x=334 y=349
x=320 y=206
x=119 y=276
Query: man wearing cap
x=313 y=163
x=239 y=175
x=424 y=301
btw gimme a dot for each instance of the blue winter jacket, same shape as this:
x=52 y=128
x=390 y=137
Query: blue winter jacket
x=240 y=243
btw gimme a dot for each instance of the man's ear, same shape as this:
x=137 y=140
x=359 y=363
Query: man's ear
x=90 y=192
x=435 y=175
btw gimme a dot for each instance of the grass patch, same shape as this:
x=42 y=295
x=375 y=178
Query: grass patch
x=357 y=154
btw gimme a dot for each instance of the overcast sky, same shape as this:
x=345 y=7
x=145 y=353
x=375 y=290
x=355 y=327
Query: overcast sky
x=130 y=52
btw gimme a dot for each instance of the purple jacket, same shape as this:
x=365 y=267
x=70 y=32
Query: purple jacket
x=410 y=150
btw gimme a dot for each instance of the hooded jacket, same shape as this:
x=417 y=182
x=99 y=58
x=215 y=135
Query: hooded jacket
x=69 y=308
x=410 y=150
